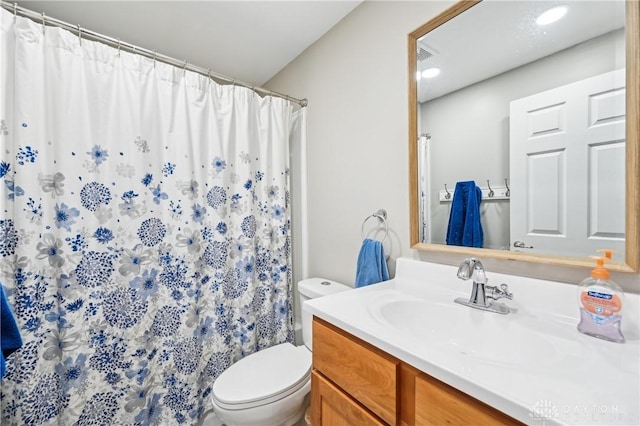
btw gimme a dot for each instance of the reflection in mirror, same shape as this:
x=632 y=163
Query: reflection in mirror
x=536 y=116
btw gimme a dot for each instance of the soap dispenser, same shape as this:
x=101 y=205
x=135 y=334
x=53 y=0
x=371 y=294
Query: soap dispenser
x=600 y=300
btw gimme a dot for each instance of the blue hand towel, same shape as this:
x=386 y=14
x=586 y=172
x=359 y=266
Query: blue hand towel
x=372 y=266
x=10 y=340
x=465 y=228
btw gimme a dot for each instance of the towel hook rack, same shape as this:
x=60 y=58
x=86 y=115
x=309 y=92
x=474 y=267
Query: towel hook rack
x=381 y=215
x=489 y=193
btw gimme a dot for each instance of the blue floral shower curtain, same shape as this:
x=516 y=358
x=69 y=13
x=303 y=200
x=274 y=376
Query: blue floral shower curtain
x=144 y=230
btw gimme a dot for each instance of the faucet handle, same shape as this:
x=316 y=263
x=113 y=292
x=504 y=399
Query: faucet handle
x=496 y=293
x=504 y=290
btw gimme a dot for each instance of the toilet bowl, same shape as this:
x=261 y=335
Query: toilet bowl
x=272 y=386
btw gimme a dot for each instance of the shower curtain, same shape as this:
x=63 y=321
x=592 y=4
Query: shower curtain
x=144 y=230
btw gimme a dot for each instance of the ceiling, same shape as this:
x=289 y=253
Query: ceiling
x=252 y=40
x=248 y=41
x=495 y=36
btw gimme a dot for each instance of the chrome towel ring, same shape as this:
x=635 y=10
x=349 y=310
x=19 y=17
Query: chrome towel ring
x=381 y=215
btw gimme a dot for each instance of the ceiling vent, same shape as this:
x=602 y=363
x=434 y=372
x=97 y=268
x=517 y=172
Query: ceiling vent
x=425 y=52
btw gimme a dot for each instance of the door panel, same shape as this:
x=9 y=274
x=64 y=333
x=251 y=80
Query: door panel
x=604 y=174
x=546 y=201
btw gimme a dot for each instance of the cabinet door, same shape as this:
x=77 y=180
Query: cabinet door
x=332 y=407
x=439 y=404
x=361 y=370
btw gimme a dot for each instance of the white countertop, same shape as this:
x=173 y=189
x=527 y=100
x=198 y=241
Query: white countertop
x=532 y=363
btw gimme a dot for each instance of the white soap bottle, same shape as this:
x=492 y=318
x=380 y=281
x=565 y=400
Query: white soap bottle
x=600 y=300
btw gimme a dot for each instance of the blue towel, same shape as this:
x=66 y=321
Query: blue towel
x=372 y=266
x=465 y=228
x=10 y=340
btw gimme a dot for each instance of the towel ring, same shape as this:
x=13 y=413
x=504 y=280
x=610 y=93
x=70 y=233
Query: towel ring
x=381 y=215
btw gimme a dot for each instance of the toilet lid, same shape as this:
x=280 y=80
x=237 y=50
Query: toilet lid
x=272 y=372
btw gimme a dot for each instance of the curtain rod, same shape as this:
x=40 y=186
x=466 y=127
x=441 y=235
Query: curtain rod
x=114 y=42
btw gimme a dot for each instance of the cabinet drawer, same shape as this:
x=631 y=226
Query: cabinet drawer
x=369 y=375
x=332 y=407
x=438 y=404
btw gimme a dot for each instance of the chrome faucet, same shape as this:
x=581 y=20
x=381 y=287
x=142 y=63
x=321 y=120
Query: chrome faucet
x=471 y=268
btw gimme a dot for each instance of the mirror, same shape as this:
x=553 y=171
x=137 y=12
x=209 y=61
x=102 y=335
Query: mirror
x=494 y=113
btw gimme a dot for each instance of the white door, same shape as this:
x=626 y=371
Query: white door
x=567 y=167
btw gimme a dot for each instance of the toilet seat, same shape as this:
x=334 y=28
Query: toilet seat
x=263 y=377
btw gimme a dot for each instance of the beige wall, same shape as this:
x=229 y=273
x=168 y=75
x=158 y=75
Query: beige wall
x=355 y=78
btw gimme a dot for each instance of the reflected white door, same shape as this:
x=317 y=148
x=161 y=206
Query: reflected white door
x=567 y=167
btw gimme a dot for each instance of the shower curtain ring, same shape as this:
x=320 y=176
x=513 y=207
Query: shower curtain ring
x=80 y=34
x=118 y=47
x=15 y=10
x=184 y=68
x=154 y=58
x=43 y=22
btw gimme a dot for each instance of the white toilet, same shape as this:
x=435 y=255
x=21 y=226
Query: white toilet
x=271 y=386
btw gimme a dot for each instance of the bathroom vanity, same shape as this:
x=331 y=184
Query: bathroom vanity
x=354 y=382
x=403 y=353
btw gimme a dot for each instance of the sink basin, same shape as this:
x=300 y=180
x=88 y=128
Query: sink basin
x=516 y=339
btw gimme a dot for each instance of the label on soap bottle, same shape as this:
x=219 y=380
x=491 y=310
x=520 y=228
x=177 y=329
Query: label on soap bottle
x=602 y=304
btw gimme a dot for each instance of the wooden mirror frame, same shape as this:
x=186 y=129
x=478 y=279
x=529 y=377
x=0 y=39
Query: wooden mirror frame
x=632 y=153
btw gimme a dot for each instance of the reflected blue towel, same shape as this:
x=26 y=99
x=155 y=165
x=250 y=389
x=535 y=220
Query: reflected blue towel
x=372 y=266
x=10 y=340
x=465 y=228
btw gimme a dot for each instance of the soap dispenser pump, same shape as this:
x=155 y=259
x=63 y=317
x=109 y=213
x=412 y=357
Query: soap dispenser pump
x=600 y=300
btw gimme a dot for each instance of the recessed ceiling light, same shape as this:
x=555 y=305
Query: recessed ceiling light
x=552 y=15
x=430 y=72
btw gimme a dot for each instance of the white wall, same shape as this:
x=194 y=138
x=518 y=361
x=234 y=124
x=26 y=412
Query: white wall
x=355 y=78
x=470 y=127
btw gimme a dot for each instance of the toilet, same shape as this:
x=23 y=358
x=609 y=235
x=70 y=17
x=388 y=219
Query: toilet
x=272 y=386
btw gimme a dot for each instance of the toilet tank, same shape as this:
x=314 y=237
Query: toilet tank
x=311 y=288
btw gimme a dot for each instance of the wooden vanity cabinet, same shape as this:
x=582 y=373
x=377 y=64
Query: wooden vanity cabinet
x=355 y=383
